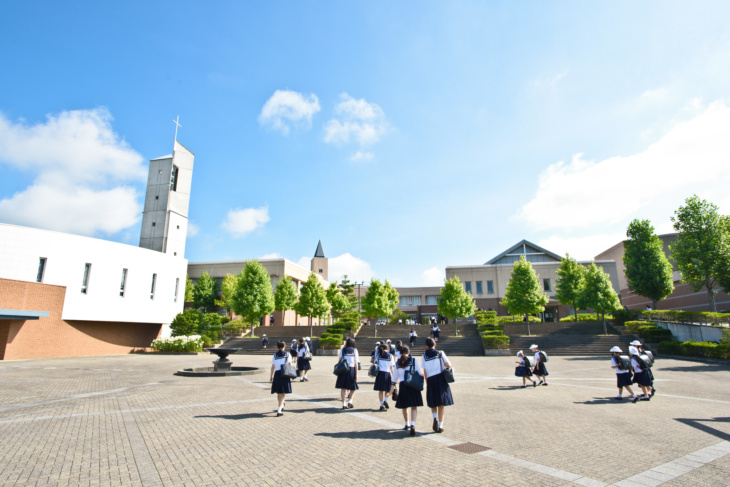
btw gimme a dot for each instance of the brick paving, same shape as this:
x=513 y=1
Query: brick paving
x=127 y=420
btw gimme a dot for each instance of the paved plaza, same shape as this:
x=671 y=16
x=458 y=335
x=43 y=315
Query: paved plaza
x=127 y=420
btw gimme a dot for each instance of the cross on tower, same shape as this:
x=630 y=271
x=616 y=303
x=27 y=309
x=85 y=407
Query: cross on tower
x=177 y=125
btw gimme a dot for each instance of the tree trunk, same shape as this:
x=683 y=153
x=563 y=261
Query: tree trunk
x=528 y=325
x=711 y=297
x=653 y=302
x=605 y=329
x=310 y=327
x=575 y=312
x=253 y=327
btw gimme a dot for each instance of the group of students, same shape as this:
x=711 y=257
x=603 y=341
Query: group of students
x=527 y=367
x=393 y=364
x=635 y=369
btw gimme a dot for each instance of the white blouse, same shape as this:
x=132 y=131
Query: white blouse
x=352 y=356
x=432 y=364
x=400 y=374
x=278 y=360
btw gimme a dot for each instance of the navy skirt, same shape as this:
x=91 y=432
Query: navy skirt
x=280 y=384
x=438 y=392
x=623 y=380
x=408 y=398
x=643 y=379
x=347 y=380
x=303 y=364
x=523 y=371
x=383 y=381
x=435 y=334
x=540 y=369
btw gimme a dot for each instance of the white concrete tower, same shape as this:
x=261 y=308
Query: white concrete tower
x=165 y=217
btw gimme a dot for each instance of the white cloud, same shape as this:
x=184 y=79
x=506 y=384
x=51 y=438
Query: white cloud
x=305 y=262
x=581 y=248
x=692 y=156
x=356 y=121
x=193 y=229
x=362 y=156
x=657 y=94
x=242 y=221
x=79 y=164
x=433 y=277
x=273 y=255
x=286 y=109
x=551 y=81
x=355 y=268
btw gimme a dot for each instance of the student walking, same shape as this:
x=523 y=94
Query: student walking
x=438 y=392
x=540 y=370
x=623 y=374
x=435 y=331
x=650 y=372
x=640 y=375
x=280 y=385
x=384 y=381
x=265 y=341
x=398 y=347
x=347 y=382
x=294 y=348
x=523 y=370
x=413 y=336
x=407 y=398
x=303 y=360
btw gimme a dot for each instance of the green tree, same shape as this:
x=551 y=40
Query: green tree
x=648 y=270
x=701 y=249
x=286 y=296
x=392 y=296
x=598 y=293
x=312 y=300
x=204 y=293
x=525 y=294
x=339 y=304
x=377 y=302
x=348 y=290
x=454 y=302
x=571 y=279
x=185 y=323
x=228 y=286
x=723 y=273
x=253 y=297
x=189 y=286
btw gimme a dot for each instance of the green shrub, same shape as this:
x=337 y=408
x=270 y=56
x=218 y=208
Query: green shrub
x=190 y=343
x=725 y=338
x=517 y=319
x=486 y=317
x=185 y=323
x=398 y=314
x=654 y=334
x=586 y=317
x=237 y=326
x=493 y=333
x=330 y=341
x=482 y=328
x=687 y=316
x=633 y=326
x=621 y=316
x=696 y=349
x=495 y=341
x=225 y=319
x=670 y=347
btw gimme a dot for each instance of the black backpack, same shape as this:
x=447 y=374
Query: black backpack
x=543 y=356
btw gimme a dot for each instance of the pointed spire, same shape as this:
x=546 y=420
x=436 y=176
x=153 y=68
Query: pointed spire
x=319 y=252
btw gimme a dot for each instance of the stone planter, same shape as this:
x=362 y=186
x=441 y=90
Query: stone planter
x=329 y=352
x=494 y=352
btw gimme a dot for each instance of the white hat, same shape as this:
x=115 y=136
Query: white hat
x=387 y=341
x=533 y=347
x=633 y=351
x=636 y=342
x=520 y=353
x=616 y=349
x=294 y=340
x=264 y=334
x=377 y=343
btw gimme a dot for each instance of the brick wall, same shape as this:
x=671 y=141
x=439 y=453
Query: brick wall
x=54 y=337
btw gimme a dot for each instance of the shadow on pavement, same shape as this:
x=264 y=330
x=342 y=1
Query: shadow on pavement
x=698 y=368
x=367 y=435
x=509 y=388
x=698 y=424
x=604 y=400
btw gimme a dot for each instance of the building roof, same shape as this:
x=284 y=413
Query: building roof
x=18 y=314
x=319 y=252
x=531 y=251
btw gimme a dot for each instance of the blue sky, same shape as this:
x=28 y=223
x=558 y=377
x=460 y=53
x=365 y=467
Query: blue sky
x=407 y=136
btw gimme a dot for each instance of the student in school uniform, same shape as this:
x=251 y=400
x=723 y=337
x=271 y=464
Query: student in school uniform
x=540 y=370
x=374 y=353
x=435 y=331
x=522 y=370
x=347 y=382
x=412 y=334
x=280 y=385
x=398 y=347
x=294 y=348
x=391 y=347
x=650 y=372
x=623 y=377
x=640 y=376
x=438 y=392
x=407 y=398
x=384 y=379
x=265 y=341
x=303 y=360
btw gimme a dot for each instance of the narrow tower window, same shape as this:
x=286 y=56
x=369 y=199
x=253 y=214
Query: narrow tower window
x=124 y=282
x=177 y=285
x=85 y=284
x=173 y=179
x=41 y=269
x=154 y=281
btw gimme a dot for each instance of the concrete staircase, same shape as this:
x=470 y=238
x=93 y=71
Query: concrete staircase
x=469 y=344
x=593 y=345
x=252 y=346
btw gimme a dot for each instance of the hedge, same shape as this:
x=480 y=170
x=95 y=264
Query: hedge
x=483 y=328
x=696 y=349
x=687 y=316
x=339 y=336
x=654 y=334
x=495 y=341
x=517 y=319
x=633 y=326
x=332 y=341
x=493 y=333
x=586 y=317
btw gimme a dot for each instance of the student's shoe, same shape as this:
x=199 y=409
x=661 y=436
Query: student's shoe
x=544 y=383
x=385 y=403
x=301 y=380
x=306 y=380
x=534 y=384
x=646 y=398
x=382 y=408
x=636 y=398
x=279 y=414
x=435 y=425
x=523 y=386
x=541 y=381
x=413 y=431
x=344 y=407
x=619 y=398
x=406 y=428
x=350 y=406
x=440 y=430
x=652 y=392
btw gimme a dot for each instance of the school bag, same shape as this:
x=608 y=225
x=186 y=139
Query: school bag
x=623 y=362
x=543 y=356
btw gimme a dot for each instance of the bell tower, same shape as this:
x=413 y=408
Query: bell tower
x=320 y=262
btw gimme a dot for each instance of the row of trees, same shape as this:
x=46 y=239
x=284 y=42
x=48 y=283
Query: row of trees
x=701 y=253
